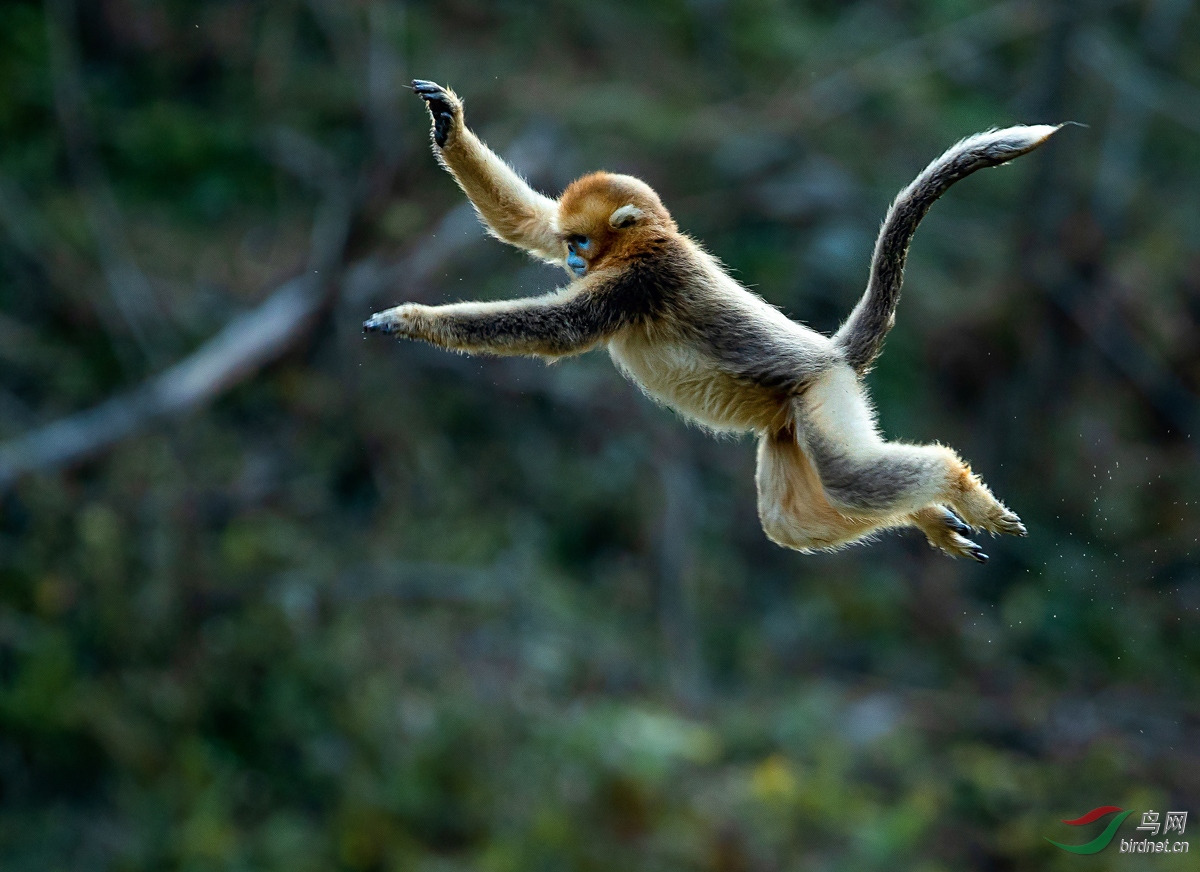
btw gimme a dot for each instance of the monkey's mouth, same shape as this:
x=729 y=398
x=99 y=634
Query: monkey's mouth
x=577 y=264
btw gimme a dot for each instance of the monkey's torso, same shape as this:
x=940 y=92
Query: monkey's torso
x=705 y=359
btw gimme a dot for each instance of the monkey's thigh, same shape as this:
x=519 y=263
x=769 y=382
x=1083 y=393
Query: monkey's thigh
x=861 y=474
x=792 y=505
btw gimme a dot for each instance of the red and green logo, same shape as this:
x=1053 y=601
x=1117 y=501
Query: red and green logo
x=1101 y=841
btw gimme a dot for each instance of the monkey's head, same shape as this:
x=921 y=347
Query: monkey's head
x=605 y=216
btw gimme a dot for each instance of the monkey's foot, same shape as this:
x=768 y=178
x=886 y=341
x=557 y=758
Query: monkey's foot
x=995 y=518
x=976 y=505
x=948 y=533
x=443 y=105
x=1008 y=523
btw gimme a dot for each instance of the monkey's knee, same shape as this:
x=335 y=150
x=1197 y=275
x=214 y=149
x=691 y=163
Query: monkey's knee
x=819 y=532
x=792 y=506
x=790 y=525
x=785 y=531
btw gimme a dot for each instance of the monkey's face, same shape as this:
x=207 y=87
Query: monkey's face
x=603 y=217
x=577 y=247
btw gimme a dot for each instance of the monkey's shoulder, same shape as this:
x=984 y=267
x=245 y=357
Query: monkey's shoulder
x=652 y=275
x=664 y=278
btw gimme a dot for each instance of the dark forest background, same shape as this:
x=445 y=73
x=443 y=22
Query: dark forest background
x=276 y=596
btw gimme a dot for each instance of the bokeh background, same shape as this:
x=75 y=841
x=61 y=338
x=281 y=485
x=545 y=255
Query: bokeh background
x=274 y=596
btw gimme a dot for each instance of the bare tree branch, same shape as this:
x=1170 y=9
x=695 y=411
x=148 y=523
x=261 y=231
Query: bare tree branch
x=384 y=73
x=253 y=340
x=846 y=89
x=245 y=345
x=21 y=222
x=807 y=103
x=241 y=348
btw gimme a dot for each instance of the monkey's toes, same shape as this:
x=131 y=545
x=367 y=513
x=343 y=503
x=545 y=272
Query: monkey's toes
x=1009 y=524
x=949 y=534
x=955 y=523
x=961 y=546
x=402 y=321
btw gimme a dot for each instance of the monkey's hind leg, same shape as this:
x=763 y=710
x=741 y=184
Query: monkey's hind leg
x=796 y=513
x=792 y=505
x=864 y=476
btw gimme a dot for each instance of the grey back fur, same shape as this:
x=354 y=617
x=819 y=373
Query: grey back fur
x=860 y=338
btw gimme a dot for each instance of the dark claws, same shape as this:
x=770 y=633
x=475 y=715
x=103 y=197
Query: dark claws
x=957 y=524
x=432 y=94
x=428 y=90
x=972 y=549
x=437 y=100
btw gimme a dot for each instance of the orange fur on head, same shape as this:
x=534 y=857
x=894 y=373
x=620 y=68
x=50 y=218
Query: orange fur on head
x=587 y=208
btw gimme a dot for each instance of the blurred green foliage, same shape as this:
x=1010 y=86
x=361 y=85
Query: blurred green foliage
x=382 y=608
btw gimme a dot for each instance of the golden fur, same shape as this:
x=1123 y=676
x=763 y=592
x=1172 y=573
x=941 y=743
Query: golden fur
x=692 y=338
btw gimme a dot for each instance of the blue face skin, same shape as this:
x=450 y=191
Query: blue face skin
x=575 y=245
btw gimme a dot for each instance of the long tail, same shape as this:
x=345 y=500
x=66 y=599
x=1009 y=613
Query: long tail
x=861 y=337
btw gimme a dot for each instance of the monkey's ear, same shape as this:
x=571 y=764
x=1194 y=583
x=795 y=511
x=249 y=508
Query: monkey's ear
x=626 y=216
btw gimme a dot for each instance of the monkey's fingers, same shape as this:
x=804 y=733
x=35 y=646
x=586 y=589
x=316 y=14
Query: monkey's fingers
x=442 y=106
x=395 y=322
x=377 y=323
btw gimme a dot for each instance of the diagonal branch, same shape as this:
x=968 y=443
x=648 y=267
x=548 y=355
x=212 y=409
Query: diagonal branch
x=251 y=341
x=241 y=348
x=244 y=346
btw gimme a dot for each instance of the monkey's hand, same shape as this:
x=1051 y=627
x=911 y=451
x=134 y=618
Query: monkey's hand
x=403 y=321
x=445 y=107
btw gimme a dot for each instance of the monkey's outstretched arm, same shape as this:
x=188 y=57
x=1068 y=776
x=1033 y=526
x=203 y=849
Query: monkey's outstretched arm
x=512 y=210
x=566 y=322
